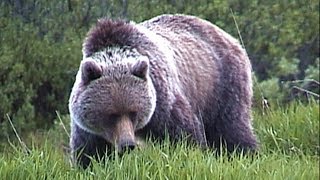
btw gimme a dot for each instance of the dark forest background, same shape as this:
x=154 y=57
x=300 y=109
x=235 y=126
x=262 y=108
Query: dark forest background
x=40 y=49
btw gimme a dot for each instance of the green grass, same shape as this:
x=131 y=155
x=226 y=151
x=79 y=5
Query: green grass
x=289 y=150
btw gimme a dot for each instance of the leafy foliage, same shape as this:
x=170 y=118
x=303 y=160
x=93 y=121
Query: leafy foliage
x=41 y=48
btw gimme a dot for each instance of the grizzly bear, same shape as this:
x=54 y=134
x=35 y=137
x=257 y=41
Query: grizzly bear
x=172 y=75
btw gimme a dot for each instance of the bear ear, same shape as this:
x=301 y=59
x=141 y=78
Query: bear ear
x=140 y=69
x=90 y=70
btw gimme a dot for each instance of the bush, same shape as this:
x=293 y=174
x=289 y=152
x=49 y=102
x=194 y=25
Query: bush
x=36 y=75
x=41 y=48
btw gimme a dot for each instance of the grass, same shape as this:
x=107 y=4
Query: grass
x=289 y=150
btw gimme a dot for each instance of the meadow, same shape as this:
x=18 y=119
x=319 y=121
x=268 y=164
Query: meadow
x=40 y=52
x=289 y=149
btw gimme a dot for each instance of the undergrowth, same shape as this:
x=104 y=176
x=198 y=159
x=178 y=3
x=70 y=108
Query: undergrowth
x=289 y=149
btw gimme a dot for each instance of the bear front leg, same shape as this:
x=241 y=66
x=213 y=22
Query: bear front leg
x=85 y=146
x=184 y=120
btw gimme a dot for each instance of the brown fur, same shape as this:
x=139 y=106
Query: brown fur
x=198 y=76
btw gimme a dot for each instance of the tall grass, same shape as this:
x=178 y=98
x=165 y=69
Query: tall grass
x=292 y=129
x=289 y=150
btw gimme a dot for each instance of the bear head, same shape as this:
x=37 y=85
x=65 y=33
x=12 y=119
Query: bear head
x=113 y=100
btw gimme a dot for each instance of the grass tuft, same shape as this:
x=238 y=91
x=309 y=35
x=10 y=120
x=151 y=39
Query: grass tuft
x=289 y=150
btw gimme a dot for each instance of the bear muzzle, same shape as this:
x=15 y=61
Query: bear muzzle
x=124 y=135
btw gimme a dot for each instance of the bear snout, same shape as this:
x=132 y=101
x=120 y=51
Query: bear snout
x=124 y=135
x=126 y=146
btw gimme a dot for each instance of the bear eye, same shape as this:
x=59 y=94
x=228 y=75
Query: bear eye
x=114 y=116
x=132 y=115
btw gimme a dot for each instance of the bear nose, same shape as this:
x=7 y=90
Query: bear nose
x=126 y=146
